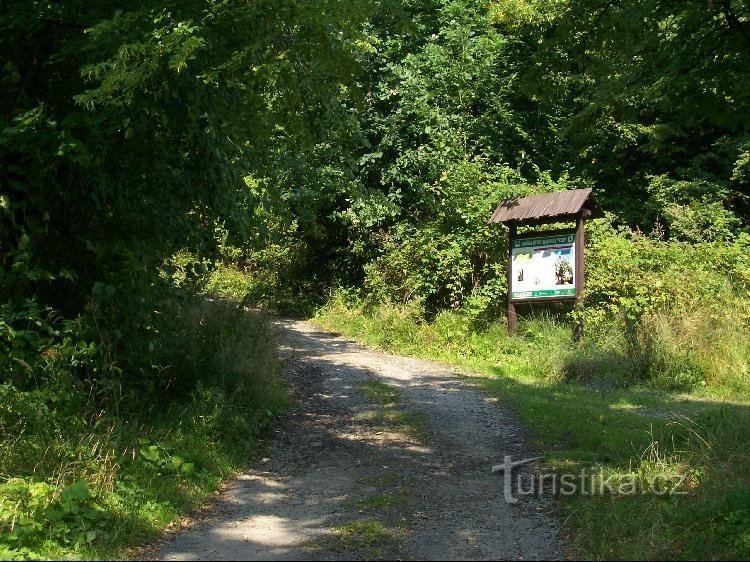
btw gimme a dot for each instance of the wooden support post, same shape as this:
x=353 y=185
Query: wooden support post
x=512 y=317
x=579 y=273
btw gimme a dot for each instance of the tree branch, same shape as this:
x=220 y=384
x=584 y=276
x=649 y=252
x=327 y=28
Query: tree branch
x=734 y=22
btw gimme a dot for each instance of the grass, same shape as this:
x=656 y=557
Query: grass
x=369 y=538
x=97 y=487
x=379 y=392
x=409 y=423
x=587 y=411
x=365 y=531
x=379 y=534
x=380 y=501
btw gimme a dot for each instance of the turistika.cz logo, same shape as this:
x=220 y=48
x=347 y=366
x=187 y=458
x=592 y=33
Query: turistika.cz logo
x=587 y=482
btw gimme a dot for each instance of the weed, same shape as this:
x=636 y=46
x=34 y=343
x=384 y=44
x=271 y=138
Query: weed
x=381 y=501
x=602 y=408
x=379 y=392
x=94 y=487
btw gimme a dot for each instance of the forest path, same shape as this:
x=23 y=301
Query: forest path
x=381 y=457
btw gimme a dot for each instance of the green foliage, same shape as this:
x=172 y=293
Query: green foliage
x=127 y=137
x=465 y=106
x=369 y=532
x=379 y=392
x=158 y=156
x=455 y=255
x=668 y=314
x=94 y=483
x=672 y=310
x=30 y=511
x=458 y=106
x=647 y=89
x=693 y=210
x=604 y=420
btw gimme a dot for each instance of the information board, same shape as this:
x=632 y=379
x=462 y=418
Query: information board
x=543 y=267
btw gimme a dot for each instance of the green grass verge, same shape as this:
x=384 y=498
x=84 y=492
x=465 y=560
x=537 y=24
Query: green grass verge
x=623 y=430
x=97 y=486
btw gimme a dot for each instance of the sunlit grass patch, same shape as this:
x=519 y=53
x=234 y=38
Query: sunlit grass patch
x=369 y=532
x=379 y=392
x=409 y=423
x=588 y=410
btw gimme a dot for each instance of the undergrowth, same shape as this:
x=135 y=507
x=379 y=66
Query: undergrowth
x=656 y=399
x=78 y=482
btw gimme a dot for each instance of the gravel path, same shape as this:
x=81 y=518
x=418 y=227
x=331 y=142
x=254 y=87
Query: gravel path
x=362 y=470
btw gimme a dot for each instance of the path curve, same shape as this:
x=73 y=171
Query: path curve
x=352 y=477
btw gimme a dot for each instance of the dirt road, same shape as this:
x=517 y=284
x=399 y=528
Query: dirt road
x=380 y=457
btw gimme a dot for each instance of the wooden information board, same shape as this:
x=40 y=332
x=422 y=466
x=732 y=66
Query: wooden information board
x=545 y=265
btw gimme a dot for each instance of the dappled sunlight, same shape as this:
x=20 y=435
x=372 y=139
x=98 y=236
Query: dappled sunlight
x=389 y=438
x=259 y=477
x=585 y=416
x=273 y=531
x=266 y=536
x=373 y=443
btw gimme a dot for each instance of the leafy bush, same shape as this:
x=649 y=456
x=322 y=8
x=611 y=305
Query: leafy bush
x=454 y=258
x=668 y=312
x=33 y=512
x=694 y=211
x=81 y=480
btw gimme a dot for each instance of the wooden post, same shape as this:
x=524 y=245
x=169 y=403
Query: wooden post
x=579 y=273
x=512 y=317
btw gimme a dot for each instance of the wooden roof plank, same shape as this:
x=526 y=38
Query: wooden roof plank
x=547 y=206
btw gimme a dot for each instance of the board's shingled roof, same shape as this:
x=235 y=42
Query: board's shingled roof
x=562 y=204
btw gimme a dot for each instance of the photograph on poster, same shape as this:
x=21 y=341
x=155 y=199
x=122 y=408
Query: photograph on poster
x=543 y=267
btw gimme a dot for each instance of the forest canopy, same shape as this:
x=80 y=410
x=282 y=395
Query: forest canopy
x=156 y=153
x=347 y=136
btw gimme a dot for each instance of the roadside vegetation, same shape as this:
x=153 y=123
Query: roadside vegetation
x=128 y=141
x=165 y=165
x=93 y=476
x=659 y=389
x=606 y=424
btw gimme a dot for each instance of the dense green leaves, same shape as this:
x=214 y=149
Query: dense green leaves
x=346 y=135
x=126 y=135
x=650 y=89
x=148 y=151
x=643 y=101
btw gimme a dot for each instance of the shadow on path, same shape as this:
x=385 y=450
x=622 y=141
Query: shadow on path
x=352 y=478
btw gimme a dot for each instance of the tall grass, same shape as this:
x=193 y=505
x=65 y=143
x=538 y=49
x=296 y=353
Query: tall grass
x=670 y=350
x=80 y=483
x=664 y=396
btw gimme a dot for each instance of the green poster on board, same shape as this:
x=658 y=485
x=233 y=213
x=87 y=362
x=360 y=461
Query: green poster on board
x=543 y=267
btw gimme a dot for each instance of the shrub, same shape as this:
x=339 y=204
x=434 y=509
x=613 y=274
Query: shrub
x=668 y=313
x=75 y=479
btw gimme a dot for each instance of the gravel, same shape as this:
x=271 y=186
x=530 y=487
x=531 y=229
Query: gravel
x=418 y=472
